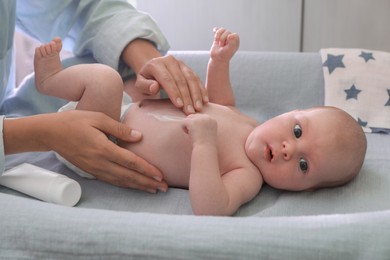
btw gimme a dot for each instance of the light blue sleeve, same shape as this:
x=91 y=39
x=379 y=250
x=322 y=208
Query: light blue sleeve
x=7 y=75
x=2 y=153
x=98 y=27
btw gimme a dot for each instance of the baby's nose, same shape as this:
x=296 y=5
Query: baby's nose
x=287 y=150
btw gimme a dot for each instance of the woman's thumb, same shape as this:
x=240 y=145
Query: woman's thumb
x=147 y=86
x=125 y=133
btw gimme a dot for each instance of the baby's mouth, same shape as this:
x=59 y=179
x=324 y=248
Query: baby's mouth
x=268 y=153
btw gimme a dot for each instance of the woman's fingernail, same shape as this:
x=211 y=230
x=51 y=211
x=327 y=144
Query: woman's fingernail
x=206 y=99
x=199 y=104
x=157 y=178
x=163 y=189
x=151 y=191
x=190 y=109
x=152 y=88
x=179 y=102
x=135 y=133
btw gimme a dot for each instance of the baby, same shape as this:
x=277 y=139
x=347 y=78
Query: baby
x=221 y=155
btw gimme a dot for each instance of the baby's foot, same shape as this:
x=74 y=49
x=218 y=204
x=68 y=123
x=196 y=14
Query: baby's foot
x=47 y=61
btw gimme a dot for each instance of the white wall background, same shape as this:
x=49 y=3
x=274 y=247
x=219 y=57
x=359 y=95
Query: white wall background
x=275 y=25
x=347 y=24
x=262 y=24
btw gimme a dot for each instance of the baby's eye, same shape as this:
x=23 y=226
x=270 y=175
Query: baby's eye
x=303 y=165
x=297 y=131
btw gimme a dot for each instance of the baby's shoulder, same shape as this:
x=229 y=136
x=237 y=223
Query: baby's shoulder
x=249 y=120
x=247 y=176
x=245 y=166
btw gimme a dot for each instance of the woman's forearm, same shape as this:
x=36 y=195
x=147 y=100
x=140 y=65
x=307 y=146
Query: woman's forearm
x=138 y=52
x=24 y=134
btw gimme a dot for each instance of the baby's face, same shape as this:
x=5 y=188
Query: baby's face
x=296 y=150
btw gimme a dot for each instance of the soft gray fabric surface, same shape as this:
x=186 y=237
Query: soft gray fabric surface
x=350 y=222
x=50 y=231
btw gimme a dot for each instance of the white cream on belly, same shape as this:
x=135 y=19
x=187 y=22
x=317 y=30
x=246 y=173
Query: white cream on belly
x=165 y=117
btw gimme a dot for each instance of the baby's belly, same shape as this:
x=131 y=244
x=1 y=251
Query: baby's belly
x=164 y=143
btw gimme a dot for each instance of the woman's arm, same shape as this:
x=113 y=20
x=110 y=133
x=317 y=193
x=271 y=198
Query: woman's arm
x=62 y=133
x=154 y=71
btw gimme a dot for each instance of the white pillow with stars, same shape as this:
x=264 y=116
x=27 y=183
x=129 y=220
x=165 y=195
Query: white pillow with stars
x=358 y=81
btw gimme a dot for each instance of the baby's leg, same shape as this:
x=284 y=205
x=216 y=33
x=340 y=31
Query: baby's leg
x=103 y=89
x=46 y=64
x=51 y=79
x=97 y=87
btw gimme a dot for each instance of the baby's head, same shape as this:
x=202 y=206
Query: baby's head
x=308 y=149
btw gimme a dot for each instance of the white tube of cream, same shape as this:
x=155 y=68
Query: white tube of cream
x=42 y=184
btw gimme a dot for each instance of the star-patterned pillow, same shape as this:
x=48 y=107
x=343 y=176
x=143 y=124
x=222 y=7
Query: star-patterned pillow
x=358 y=81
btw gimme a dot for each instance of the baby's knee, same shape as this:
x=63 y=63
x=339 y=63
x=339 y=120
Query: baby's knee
x=109 y=77
x=112 y=75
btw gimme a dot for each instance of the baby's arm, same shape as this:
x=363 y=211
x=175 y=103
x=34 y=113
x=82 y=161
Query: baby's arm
x=218 y=82
x=211 y=193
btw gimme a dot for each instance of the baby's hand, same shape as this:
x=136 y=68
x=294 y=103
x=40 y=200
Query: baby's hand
x=225 y=45
x=201 y=128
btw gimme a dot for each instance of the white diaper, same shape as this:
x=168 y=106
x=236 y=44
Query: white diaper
x=126 y=103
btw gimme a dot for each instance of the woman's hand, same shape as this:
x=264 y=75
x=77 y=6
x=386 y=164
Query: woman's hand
x=80 y=137
x=154 y=71
x=182 y=85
